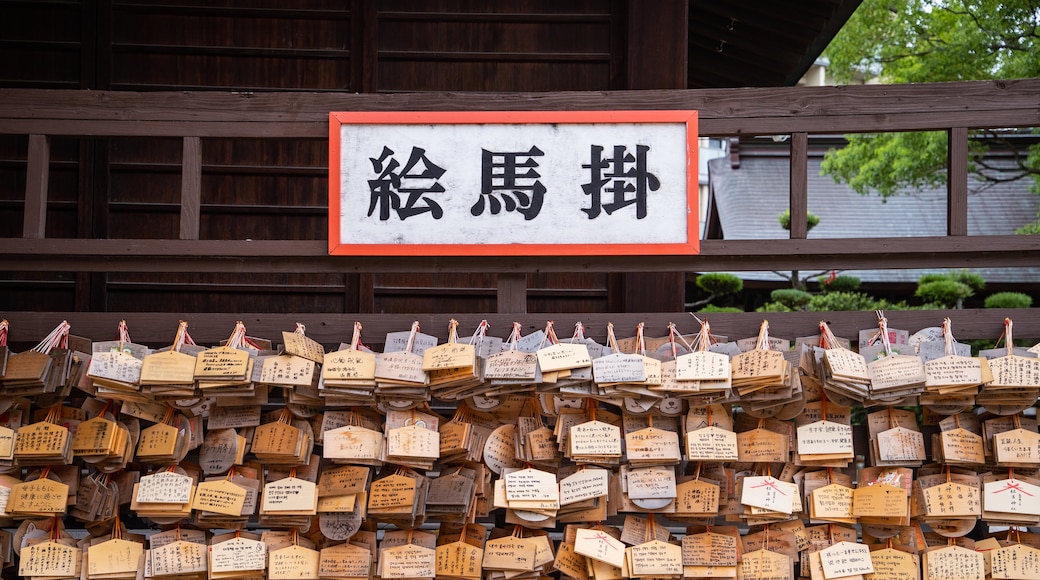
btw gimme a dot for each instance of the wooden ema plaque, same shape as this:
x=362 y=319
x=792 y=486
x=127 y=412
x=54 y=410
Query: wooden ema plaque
x=115 y=558
x=885 y=502
x=459 y=560
x=293 y=563
x=1015 y=562
x=237 y=555
x=408 y=561
x=345 y=561
x=765 y=565
x=893 y=564
x=953 y=563
x=953 y=500
x=38 y=498
x=654 y=559
x=50 y=559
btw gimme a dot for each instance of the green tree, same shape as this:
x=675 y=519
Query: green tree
x=1008 y=300
x=798 y=282
x=913 y=41
x=946 y=293
x=717 y=284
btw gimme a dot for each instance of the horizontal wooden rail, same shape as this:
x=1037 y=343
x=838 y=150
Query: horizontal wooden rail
x=756 y=111
x=333 y=328
x=310 y=256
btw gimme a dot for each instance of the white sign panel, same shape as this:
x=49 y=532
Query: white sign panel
x=513 y=183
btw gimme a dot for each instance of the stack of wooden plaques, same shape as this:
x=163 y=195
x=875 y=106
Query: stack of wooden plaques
x=894 y=376
x=226 y=369
x=164 y=496
x=170 y=373
x=518 y=458
x=48 y=370
x=45 y=442
x=119 y=557
x=281 y=442
x=701 y=372
x=237 y=555
x=1015 y=383
x=399 y=373
x=52 y=555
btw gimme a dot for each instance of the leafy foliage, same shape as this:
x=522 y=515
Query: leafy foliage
x=1008 y=300
x=948 y=293
x=713 y=308
x=720 y=283
x=913 y=41
x=971 y=279
x=811 y=220
x=772 y=307
x=841 y=301
x=791 y=298
x=716 y=284
x=842 y=283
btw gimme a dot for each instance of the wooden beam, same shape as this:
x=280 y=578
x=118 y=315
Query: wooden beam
x=511 y=293
x=157 y=328
x=957 y=182
x=799 y=185
x=988 y=99
x=294 y=256
x=707 y=127
x=191 y=188
x=34 y=221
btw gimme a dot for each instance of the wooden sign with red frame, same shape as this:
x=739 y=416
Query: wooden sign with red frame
x=551 y=183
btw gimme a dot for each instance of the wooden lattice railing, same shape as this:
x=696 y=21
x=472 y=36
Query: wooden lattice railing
x=194 y=117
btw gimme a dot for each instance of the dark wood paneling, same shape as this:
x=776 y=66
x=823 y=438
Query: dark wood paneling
x=37 y=291
x=530 y=45
x=568 y=292
x=13 y=150
x=233 y=45
x=41 y=44
x=447 y=292
x=226 y=291
x=250 y=189
x=657 y=45
x=60 y=178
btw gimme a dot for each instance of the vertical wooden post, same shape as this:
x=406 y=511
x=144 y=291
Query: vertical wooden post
x=34 y=224
x=658 y=42
x=799 y=185
x=364 y=64
x=657 y=55
x=191 y=188
x=512 y=293
x=366 y=293
x=364 y=30
x=957 y=182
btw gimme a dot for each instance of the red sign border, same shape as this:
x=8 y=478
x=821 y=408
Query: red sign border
x=688 y=117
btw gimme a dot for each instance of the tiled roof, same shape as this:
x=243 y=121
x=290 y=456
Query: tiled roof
x=748 y=200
